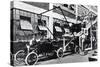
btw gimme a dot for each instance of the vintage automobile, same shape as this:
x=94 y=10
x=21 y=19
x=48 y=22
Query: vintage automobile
x=30 y=54
x=23 y=51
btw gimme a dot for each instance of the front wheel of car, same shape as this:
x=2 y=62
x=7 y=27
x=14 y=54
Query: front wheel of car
x=31 y=58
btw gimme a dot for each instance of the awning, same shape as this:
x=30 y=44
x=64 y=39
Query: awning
x=67 y=35
x=26 y=25
x=42 y=28
x=58 y=29
x=66 y=30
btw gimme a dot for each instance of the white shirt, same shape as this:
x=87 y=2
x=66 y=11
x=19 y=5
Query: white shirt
x=31 y=41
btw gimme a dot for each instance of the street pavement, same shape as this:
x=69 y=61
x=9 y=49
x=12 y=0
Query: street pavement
x=68 y=58
x=73 y=58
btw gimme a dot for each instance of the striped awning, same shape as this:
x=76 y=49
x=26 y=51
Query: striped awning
x=66 y=30
x=67 y=35
x=58 y=29
x=26 y=25
x=42 y=28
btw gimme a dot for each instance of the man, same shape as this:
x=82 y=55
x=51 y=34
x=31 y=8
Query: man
x=31 y=41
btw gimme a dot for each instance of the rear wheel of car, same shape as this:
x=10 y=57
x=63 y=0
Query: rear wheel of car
x=20 y=56
x=31 y=58
x=60 y=53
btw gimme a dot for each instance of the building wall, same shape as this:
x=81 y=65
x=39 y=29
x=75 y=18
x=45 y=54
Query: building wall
x=32 y=11
x=38 y=10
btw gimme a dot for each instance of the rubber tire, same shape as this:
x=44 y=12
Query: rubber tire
x=20 y=51
x=26 y=59
x=59 y=50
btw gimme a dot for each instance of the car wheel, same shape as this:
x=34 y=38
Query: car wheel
x=20 y=56
x=31 y=58
x=60 y=53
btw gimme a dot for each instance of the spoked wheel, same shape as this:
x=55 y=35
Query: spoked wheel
x=20 y=56
x=31 y=58
x=60 y=53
